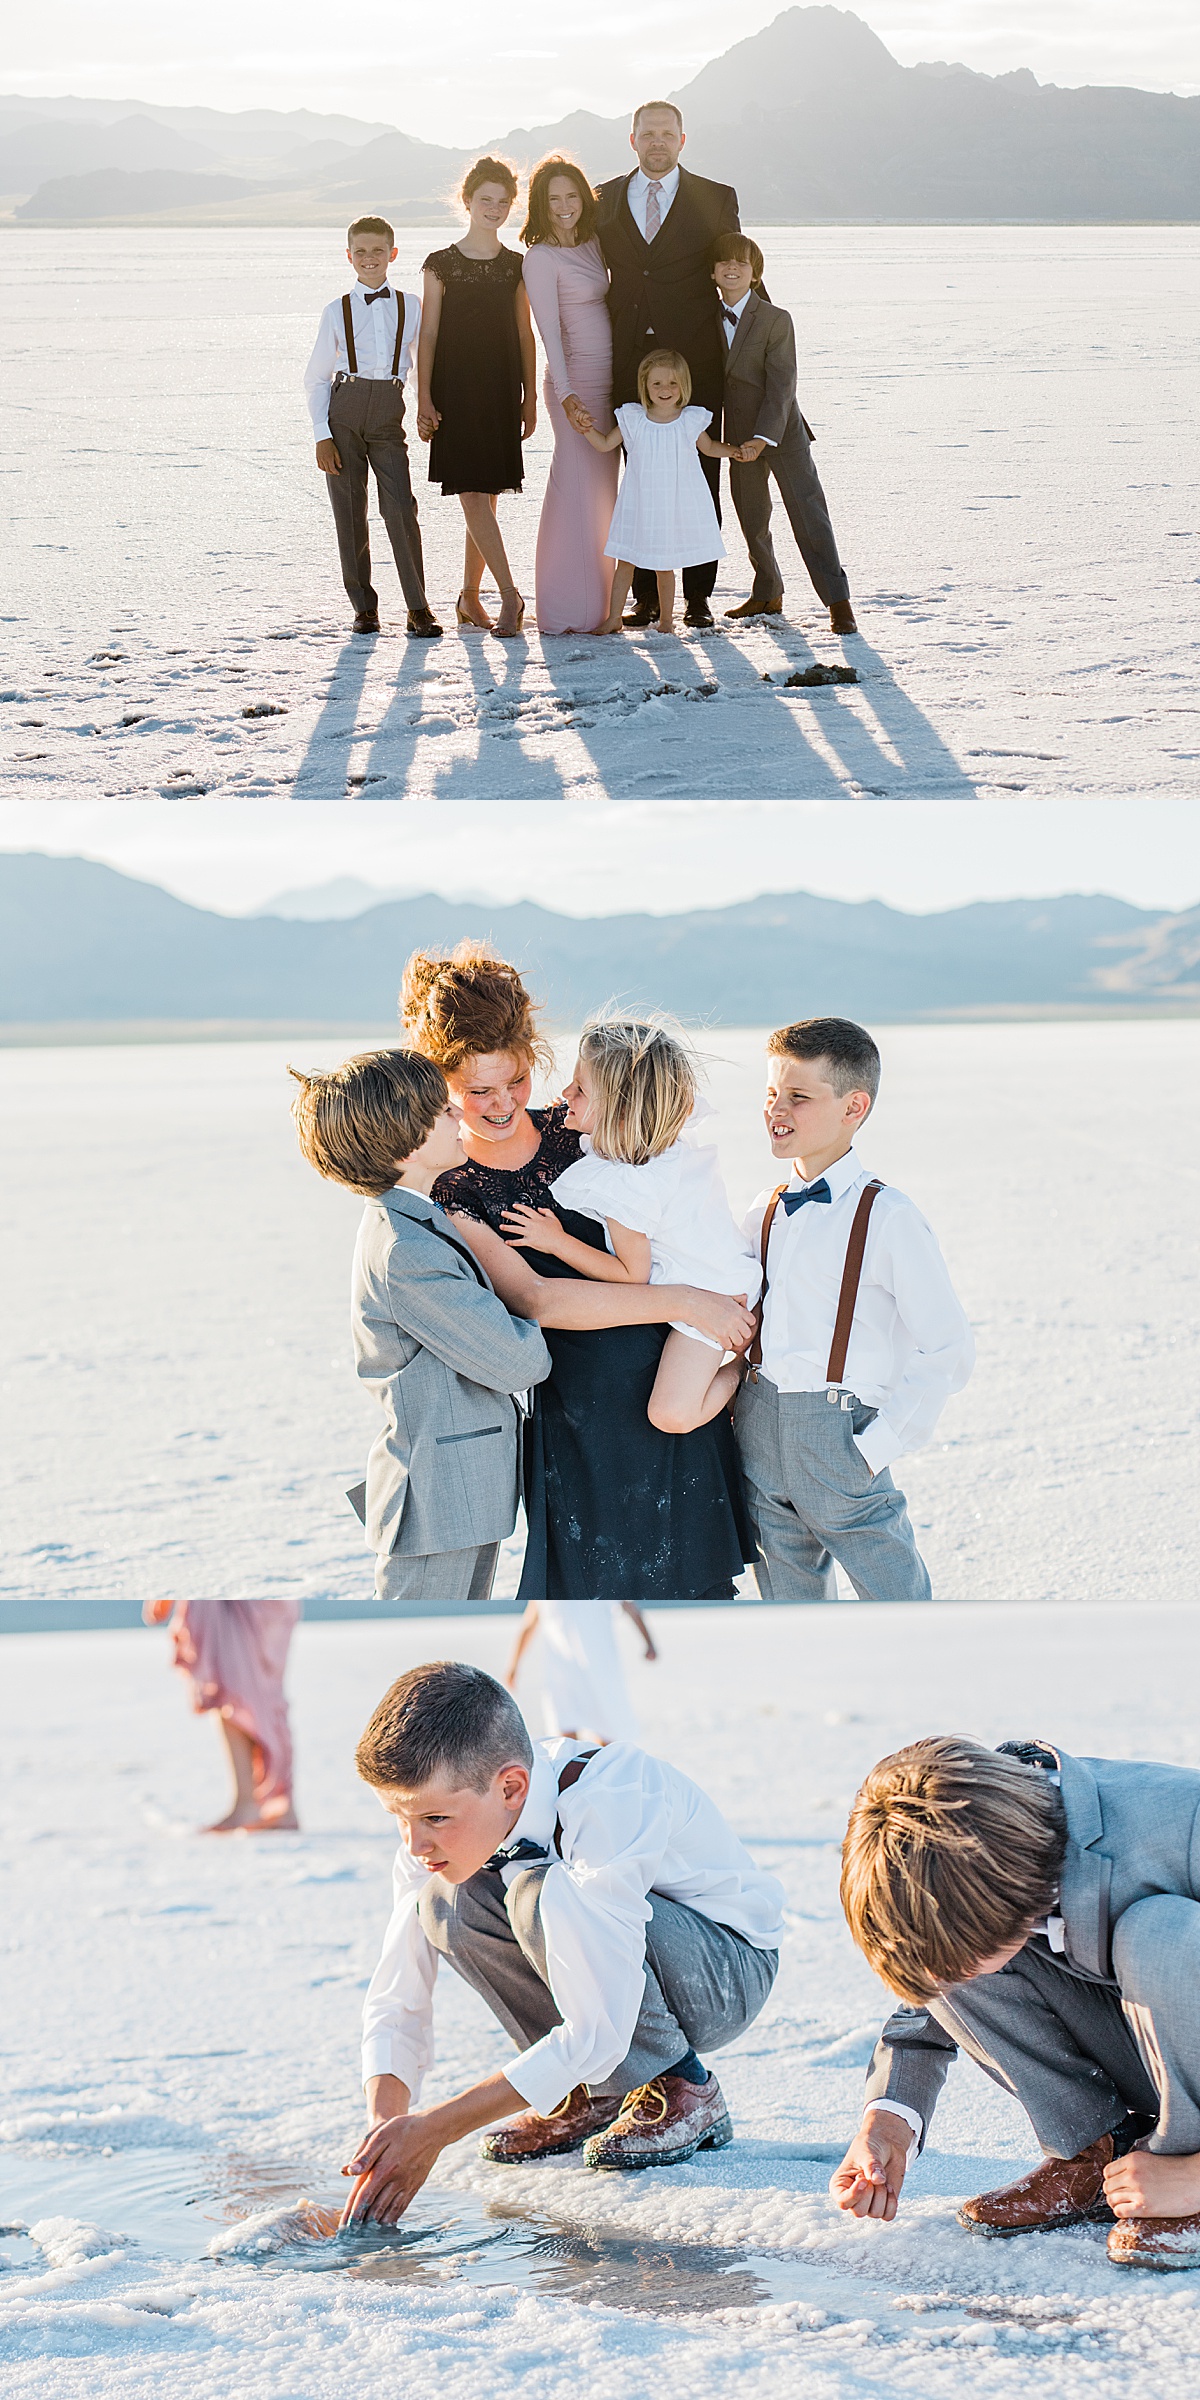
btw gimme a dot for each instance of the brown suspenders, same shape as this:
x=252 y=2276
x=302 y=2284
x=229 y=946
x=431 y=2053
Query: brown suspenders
x=570 y=1774
x=851 y=1278
x=352 y=354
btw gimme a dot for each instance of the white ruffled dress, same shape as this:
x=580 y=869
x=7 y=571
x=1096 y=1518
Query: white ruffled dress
x=678 y=1200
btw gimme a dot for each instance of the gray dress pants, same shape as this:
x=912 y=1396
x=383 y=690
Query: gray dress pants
x=366 y=420
x=438 y=1574
x=813 y=1499
x=1077 y=2053
x=791 y=464
x=704 y=1984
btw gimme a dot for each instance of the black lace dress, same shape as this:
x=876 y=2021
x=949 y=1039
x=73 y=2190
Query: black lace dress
x=476 y=384
x=616 y=1510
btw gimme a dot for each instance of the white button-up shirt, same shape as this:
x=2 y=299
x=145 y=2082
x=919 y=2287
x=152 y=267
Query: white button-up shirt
x=374 y=345
x=631 y=1825
x=638 y=195
x=910 y=1343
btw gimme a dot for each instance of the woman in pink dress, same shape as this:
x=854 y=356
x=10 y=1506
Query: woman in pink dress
x=567 y=283
x=235 y=1652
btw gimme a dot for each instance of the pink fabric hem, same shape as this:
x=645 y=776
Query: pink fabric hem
x=235 y=1652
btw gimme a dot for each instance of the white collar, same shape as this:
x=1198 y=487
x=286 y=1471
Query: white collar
x=840 y=1176
x=735 y=307
x=540 y=1814
x=669 y=184
x=361 y=289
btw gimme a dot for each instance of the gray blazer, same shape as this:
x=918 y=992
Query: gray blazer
x=445 y=1358
x=760 y=376
x=1132 y=1830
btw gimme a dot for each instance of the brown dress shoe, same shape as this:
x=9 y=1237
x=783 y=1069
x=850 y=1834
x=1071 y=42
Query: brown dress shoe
x=841 y=617
x=1062 y=2191
x=661 y=2124
x=1163 y=2242
x=757 y=608
x=566 y=2128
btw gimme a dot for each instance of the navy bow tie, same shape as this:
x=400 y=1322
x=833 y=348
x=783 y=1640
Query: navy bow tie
x=511 y=1852
x=383 y=293
x=812 y=1191
x=730 y=314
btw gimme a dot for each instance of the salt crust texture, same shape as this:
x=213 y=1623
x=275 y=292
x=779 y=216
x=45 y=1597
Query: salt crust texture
x=216 y=1422
x=1005 y=433
x=168 y=1995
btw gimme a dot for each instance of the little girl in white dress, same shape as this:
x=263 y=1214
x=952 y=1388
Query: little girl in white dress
x=664 y=517
x=659 y=1197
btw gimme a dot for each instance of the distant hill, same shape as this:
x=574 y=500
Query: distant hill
x=812 y=119
x=109 y=193
x=81 y=943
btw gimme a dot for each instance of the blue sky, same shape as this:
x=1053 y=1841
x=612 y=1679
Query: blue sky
x=480 y=69
x=660 y=855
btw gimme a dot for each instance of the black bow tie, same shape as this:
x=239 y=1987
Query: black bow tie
x=730 y=314
x=511 y=1852
x=382 y=294
x=812 y=1191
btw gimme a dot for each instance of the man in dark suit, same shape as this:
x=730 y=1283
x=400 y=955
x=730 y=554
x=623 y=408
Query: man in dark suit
x=657 y=227
x=763 y=418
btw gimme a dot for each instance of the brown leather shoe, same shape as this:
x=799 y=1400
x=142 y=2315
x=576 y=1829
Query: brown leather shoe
x=661 y=2124
x=566 y=2128
x=1062 y=2191
x=1163 y=2242
x=757 y=608
x=841 y=617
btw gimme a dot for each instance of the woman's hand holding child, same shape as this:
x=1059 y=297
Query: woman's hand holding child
x=538 y=1228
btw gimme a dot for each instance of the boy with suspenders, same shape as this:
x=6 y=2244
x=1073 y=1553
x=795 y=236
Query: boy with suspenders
x=354 y=384
x=861 y=1339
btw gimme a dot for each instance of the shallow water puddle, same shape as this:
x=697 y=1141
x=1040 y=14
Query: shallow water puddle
x=176 y=2204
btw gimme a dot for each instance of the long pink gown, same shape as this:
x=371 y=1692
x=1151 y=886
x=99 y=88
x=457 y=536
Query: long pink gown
x=235 y=1652
x=567 y=291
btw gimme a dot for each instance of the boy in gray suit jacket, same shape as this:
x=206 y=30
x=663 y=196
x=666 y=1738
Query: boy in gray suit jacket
x=763 y=419
x=1042 y=1913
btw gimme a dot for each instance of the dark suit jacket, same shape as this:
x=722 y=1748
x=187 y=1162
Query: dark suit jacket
x=661 y=293
x=760 y=375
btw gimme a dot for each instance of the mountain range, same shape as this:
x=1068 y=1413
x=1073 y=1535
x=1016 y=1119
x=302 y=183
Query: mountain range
x=811 y=118
x=83 y=944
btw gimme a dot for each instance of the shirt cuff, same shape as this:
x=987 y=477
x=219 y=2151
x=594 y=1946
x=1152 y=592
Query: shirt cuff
x=766 y=438
x=878 y=1444
x=383 y=2054
x=541 y=2076
x=896 y=2108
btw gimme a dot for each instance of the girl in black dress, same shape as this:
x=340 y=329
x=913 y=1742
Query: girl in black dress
x=616 y=1510
x=476 y=369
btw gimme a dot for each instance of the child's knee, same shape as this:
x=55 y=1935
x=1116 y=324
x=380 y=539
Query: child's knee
x=670 y=1416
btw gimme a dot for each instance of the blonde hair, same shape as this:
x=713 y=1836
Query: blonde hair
x=952 y=1852
x=679 y=369
x=469 y=1003
x=644 y=1078
x=357 y=1123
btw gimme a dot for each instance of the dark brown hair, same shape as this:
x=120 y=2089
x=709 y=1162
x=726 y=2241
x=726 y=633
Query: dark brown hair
x=357 y=1123
x=836 y=1042
x=443 y=1719
x=538 y=226
x=468 y=1003
x=371 y=225
x=487 y=170
x=738 y=245
x=952 y=1852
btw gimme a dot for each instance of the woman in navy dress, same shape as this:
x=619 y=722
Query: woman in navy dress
x=616 y=1510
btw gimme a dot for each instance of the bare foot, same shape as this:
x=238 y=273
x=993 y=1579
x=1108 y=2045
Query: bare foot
x=248 y=1819
x=610 y=625
x=1145 y=2183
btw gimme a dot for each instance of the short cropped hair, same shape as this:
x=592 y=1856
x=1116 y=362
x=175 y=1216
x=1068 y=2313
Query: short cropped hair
x=643 y=105
x=538 y=226
x=644 y=1076
x=952 y=1853
x=443 y=1719
x=738 y=245
x=357 y=1123
x=675 y=360
x=845 y=1048
x=487 y=170
x=372 y=225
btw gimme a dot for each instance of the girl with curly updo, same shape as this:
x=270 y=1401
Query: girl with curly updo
x=476 y=383
x=616 y=1508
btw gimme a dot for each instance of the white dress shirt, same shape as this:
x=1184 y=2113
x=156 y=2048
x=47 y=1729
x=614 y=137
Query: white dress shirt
x=910 y=1343
x=374 y=344
x=638 y=195
x=631 y=1825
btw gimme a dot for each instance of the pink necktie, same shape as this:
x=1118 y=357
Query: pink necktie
x=653 y=211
